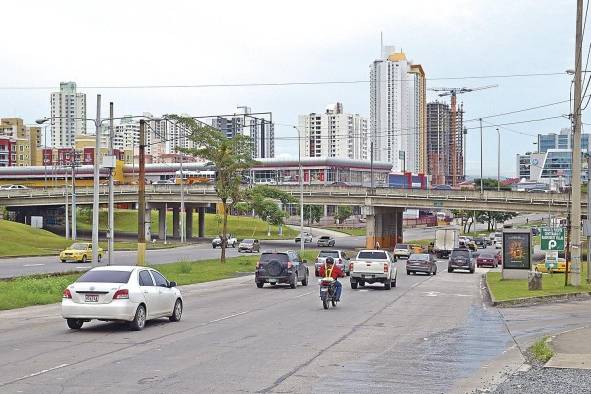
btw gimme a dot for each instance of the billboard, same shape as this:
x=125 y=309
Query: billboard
x=517 y=249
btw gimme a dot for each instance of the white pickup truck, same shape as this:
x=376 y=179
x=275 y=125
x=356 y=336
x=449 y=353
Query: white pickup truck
x=371 y=266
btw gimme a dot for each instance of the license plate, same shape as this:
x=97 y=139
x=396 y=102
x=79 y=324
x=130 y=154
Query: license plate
x=323 y=289
x=272 y=280
x=91 y=298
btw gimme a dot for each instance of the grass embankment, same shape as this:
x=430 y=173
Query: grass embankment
x=541 y=350
x=17 y=239
x=354 y=231
x=48 y=289
x=240 y=226
x=511 y=289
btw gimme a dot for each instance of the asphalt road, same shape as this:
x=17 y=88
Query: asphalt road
x=424 y=336
x=19 y=266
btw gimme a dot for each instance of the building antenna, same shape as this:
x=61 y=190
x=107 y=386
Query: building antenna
x=381 y=43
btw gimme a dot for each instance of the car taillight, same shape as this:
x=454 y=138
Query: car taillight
x=258 y=264
x=67 y=294
x=289 y=264
x=121 y=294
x=385 y=268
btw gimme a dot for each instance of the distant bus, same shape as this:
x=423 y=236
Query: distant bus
x=194 y=177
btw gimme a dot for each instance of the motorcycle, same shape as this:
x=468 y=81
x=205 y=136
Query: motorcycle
x=328 y=292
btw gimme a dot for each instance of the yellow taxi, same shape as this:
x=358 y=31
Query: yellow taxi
x=416 y=248
x=80 y=252
x=561 y=268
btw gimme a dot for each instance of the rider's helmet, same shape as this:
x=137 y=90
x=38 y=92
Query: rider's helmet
x=329 y=260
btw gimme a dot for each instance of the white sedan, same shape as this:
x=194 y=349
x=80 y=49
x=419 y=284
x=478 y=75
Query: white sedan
x=121 y=293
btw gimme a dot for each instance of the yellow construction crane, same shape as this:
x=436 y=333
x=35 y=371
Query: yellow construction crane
x=453 y=92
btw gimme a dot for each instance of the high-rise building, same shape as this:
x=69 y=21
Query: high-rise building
x=258 y=126
x=562 y=140
x=397 y=111
x=334 y=134
x=438 y=143
x=26 y=140
x=68 y=114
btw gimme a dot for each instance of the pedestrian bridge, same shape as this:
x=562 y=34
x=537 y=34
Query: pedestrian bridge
x=556 y=204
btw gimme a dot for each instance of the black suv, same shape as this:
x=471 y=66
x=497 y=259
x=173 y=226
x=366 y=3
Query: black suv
x=281 y=267
x=461 y=258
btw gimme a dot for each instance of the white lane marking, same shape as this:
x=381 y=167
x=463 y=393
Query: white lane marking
x=228 y=317
x=32 y=265
x=43 y=371
x=305 y=294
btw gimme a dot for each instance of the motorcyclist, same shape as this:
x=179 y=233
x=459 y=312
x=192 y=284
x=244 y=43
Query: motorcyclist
x=331 y=270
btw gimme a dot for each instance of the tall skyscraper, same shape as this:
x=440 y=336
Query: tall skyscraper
x=334 y=134
x=68 y=111
x=397 y=111
x=258 y=126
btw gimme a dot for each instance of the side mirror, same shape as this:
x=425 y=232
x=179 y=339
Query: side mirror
x=172 y=284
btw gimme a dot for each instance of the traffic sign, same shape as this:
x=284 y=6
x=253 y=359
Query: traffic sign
x=552 y=238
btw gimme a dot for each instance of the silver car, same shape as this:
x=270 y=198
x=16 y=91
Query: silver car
x=121 y=293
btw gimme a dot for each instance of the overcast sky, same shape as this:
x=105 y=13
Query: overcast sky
x=106 y=43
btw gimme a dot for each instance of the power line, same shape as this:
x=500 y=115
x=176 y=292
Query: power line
x=275 y=84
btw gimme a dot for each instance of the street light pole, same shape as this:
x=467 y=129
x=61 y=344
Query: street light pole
x=141 y=206
x=183 y=231
x=575 y=220
x=95 y=197
x=481 y=180
x=74 y=207
x=111 y=240
x=67 y=203
x=301 y=179
x=498 y=160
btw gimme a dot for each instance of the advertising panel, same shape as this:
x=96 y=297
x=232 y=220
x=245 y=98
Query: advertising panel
x=517 y=249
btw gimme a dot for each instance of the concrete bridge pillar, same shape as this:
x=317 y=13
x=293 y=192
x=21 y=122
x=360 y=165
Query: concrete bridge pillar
x=148 y=223
x=201 y=222
x=176 y=222
x=189 y=222
x=161 y=222
x=384 y=227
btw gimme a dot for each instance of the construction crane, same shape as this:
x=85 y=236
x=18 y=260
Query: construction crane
x=453 y=92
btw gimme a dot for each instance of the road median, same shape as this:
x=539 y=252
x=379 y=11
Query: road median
x=514 y=292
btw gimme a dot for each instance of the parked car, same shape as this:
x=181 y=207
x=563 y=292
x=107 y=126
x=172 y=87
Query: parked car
x=13 y=187
x=231 y=241
x=402 y=250
x=121 y=293
x=461 y=258
x=307 y=238
x=340 y=258
x=325 y=240
x=421 y=262
x=281 y=267
x=371 y=266
x=79 y=252
x=163 y=182
x=249 y=245
x=489 y=259
x=560 y=268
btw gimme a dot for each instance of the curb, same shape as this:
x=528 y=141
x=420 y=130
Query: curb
x=527 y=301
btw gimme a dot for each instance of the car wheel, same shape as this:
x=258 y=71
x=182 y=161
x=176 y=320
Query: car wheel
x=407 y=272
x=388 y=284
x=75 y=324
x=84 y=259
x=394 y=282
x=260 y=284
x=63 y=261
x=99 y=258
x=450 y=270
x=353 y=285
x=293 y=281
x=177 y=311
x=472 y=271
x=305 y=280
x=139 y=320
x=435 y=272
x=213 y=246
x=234 y=245
x=362 y=283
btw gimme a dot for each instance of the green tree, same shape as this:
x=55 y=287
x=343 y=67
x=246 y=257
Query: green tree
x=313 y=213
x=265 y=201
x=343 y=213
x=489 y=184
x=230 y=156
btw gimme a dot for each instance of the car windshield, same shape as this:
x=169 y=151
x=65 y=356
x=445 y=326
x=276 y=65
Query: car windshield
x=372 y=255
x=248 y=241
x=104 y=276
x=460 y=253
x=419 y=256
x=78 y=246
x=324 y=237
x=329 y=253
x=281 y=257
x=486 y=256
x=402 y=246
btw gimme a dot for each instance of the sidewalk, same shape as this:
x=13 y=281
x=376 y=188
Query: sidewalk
x=572 y=349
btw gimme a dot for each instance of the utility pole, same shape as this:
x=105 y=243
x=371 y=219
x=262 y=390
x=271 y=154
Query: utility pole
x=575 y=220
x=183 y=233
x=111 y=240
x=74 y=207
x=588 y=221
x=301 y=179
x=371 y=166
x=481 y=180
x=141 y=206
x=66 y=192
x=95 y=197
x=498 y=160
